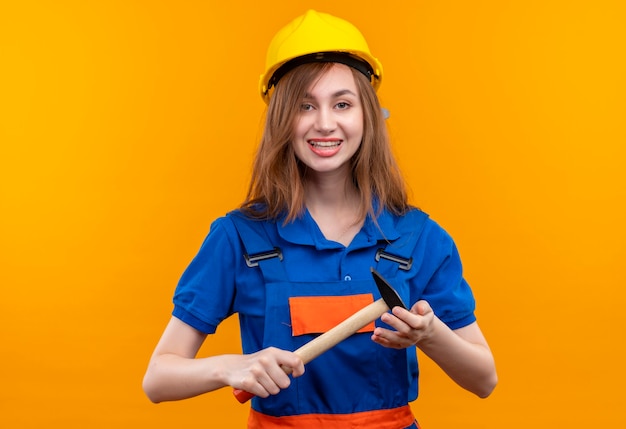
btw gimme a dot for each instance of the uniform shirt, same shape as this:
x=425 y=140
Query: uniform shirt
x=218 y=283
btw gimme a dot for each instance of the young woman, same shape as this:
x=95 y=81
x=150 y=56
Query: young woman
x=326 y=202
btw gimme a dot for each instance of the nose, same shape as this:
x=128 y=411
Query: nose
x=325 y=121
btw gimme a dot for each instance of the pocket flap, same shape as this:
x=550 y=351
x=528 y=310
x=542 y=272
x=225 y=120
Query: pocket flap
x=318 y=314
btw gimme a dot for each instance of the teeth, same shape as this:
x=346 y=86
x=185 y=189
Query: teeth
x=324 y=144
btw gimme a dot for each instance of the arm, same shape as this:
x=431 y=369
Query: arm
x=463 y=354
x=175 y=373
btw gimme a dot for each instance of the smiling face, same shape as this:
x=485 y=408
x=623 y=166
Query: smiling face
x=329 y=125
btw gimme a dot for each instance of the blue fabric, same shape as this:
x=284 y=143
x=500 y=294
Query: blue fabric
x=218 y=283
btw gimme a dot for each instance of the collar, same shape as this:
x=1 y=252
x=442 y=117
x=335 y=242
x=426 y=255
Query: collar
x=304 y=231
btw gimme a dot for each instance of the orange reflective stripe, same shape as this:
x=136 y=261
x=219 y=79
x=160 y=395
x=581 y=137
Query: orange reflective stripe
x=395 y=418
x=317 y=314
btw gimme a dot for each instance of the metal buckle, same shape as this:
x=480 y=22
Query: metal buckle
x=253 y=260
x=405 y=264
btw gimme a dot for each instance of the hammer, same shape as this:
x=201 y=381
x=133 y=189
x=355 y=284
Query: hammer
x=332 y=337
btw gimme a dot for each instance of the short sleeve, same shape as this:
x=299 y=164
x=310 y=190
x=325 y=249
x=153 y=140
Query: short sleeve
x=205 y=293
x=446 y=290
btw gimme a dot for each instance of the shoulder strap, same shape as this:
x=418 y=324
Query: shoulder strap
x=399 y=254
x=259 y=250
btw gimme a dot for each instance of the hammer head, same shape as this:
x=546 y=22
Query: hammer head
x=388 y=293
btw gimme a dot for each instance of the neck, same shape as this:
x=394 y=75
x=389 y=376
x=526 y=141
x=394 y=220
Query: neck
x=334 y=203
x=336 y=211
x=337 y=197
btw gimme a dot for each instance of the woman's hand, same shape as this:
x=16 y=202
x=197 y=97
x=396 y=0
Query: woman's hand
x=462 y=353
x=176 y=373
x=263 y=373
x=411 y=327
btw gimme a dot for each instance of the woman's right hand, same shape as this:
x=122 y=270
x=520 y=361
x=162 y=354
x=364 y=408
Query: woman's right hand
x=263 y=373
x=176 y=373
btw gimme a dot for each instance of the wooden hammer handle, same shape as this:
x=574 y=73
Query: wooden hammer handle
x=330 y=338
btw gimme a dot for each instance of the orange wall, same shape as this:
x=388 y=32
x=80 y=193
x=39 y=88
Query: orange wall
x=127 y=126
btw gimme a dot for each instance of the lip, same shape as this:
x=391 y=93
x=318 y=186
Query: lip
x=325 y=147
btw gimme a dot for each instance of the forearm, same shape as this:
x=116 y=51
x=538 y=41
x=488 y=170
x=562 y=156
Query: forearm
x=171 y=377
x=463 y=355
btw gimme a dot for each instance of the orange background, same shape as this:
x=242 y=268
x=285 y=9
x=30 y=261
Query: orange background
x=127 y=126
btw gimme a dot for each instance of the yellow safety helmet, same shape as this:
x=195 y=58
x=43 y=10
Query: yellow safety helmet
x=317 y=37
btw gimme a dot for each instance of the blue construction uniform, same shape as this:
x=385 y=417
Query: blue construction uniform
x=412 y=252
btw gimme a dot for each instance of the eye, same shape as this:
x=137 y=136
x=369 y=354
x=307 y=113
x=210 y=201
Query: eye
x=342 y=105
x=306 y=107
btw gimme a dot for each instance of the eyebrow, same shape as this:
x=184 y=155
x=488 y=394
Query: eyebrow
x=339 y=93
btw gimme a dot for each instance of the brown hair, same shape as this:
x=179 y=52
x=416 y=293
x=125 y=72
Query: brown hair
x=278 y=177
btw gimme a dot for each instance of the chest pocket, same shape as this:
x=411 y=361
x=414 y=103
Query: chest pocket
x=296 y=312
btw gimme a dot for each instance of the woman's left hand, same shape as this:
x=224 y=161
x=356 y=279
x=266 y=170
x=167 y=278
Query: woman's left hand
x=411 y=327
x=462 y=353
